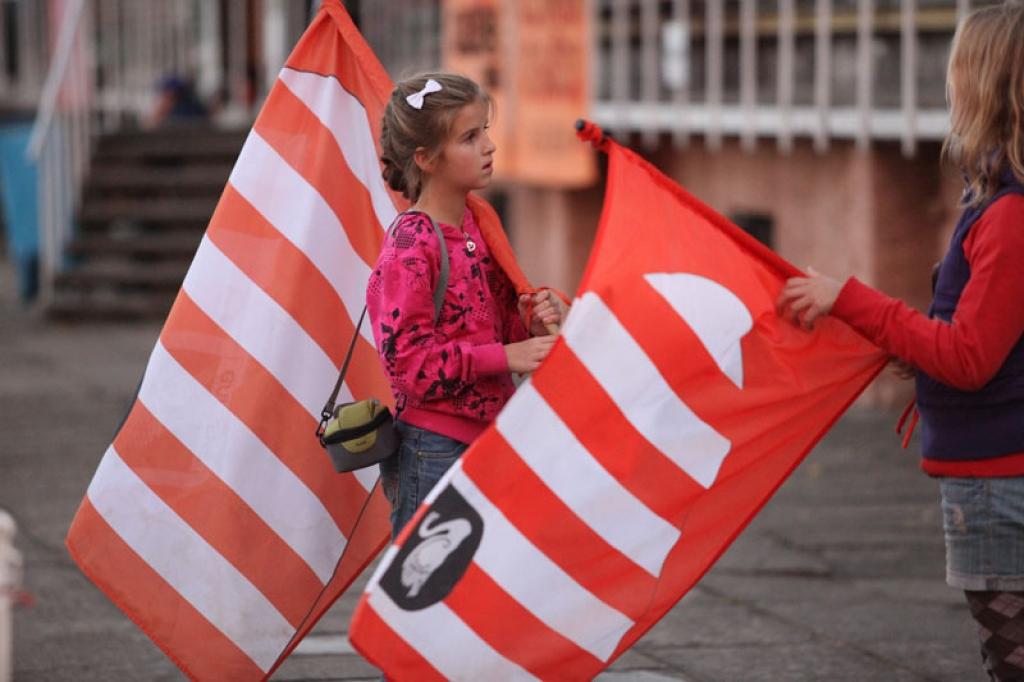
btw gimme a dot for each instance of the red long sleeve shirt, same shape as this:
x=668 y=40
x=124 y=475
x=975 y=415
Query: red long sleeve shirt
x=967 y=352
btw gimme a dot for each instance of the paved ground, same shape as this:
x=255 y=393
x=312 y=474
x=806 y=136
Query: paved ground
x=839 y=578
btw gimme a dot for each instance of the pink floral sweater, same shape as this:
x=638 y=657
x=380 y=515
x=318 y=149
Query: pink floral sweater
x=451 y=377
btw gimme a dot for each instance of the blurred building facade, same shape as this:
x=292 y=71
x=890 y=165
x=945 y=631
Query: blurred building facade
x=136 y=111
x=815 y=124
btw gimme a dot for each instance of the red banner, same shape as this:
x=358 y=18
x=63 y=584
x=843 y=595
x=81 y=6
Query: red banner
x=215 y=521
x=674 y=404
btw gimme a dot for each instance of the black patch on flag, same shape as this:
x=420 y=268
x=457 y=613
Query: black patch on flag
x=436 y=554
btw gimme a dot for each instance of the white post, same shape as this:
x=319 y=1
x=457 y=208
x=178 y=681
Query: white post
x=748 y=73
x=822 y=72
x=10 y=580
x=620 y=52
x=210 y=75
x=105 y=54
x=158 y=27
x=238 y=55
x=713 y=41
x=650 y=47
x=133 y=66
x=865 y=70
x=152 y=69
x=681 y=97
x=785 y=74
x=908 y=39
x=275 y=38
x=185 y=39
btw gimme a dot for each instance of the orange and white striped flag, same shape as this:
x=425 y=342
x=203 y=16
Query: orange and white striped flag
x=673 y=405
x=215 y=520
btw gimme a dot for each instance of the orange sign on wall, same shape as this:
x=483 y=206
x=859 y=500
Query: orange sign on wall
x=471 y=46
x=533 y=56
x=551 y=72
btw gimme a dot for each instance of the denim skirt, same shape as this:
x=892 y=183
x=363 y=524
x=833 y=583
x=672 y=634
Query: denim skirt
x=423 y=458
x=983 y=519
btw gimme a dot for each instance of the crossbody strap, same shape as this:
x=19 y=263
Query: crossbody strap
x=442 y=285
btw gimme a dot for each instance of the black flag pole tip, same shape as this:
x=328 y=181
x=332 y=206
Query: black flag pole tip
x=592 y=133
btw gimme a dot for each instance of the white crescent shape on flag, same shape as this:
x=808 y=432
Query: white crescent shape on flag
x=716 y=315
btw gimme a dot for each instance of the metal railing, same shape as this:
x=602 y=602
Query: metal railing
x=103 y=76
x=822 y=69
x=61 y=141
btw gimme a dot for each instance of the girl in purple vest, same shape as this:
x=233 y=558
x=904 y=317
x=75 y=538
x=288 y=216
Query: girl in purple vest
x=968 y=353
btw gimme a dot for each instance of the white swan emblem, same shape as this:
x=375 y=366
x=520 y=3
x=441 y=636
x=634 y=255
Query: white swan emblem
x=438 y=542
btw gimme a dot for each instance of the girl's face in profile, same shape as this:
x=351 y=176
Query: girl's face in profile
x=466 y=161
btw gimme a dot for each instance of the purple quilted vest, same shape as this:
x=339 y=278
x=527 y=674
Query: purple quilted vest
x=971 y=425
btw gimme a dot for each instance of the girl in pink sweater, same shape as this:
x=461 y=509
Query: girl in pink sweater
x=450 y=366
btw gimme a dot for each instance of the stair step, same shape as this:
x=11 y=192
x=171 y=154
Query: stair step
x=147 y=201
x=191 y=210
x=132 y=178
x=174 y=244
x=76 y=306
x=165 y=275
x=167 y=146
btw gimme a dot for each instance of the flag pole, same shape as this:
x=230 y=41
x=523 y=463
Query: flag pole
x=590 y=132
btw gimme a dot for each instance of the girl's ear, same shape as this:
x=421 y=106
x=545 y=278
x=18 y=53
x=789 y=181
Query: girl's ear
x=426 y=162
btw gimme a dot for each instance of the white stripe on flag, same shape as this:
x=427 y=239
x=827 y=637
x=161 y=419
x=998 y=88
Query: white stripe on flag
x=262 y=327
x=717 y=316
x=636 y=386
x=202 y=577
x=346 y=118
x=554 y=453
x=224 y=444
x=295 y=208
x=536 y=582
x=448 y=644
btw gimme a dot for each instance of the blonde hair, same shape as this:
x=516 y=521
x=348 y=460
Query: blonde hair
x=406 y=129
x=985 y=88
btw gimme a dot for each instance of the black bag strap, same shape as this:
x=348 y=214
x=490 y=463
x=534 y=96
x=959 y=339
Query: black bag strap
x=442 y=285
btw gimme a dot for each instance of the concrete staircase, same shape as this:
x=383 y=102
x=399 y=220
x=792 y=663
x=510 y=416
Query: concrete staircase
x=147 y=201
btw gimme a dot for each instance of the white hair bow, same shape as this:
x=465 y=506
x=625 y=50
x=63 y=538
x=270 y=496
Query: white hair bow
x=415 y=100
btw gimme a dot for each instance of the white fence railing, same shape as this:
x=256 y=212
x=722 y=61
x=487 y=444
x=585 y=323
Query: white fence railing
x=822 y=69
x=861 y=70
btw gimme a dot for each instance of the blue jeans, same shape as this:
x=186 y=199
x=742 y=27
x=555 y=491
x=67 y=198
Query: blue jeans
x=423 y=458
x=983 y=519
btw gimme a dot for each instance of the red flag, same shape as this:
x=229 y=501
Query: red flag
x=215 y=520
x=672 y=407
